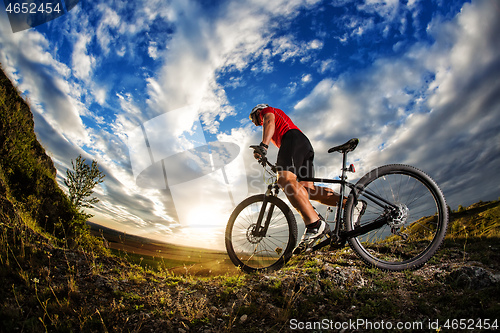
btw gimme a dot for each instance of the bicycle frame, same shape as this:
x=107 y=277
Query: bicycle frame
x=337 y=236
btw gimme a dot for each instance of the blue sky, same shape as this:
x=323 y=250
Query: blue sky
x=416 y=81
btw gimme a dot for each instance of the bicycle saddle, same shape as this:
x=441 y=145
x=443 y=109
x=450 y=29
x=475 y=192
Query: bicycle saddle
x=346 y=147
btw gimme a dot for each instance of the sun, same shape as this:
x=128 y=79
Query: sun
x=206 y=217
x=204 y=227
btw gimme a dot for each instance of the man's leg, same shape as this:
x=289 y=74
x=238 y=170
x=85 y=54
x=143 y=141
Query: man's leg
x=297 y=195
x=323 y=195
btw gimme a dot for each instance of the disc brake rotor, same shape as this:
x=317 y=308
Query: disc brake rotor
x=250 y=235
x=399 y=216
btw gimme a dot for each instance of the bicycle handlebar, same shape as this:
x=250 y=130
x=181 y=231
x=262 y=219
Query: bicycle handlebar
x=263 y=160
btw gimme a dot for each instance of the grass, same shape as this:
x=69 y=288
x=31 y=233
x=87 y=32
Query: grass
x=150 y=262
x=48 y=287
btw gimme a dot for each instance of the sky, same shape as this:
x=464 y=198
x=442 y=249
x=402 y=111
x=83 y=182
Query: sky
x=159 y=92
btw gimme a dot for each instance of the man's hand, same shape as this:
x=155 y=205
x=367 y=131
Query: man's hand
x=259 y=153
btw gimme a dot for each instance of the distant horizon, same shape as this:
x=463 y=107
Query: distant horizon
x=222 y=249
x=97 y=225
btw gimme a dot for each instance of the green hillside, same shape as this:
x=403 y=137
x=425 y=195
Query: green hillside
x=27 y=174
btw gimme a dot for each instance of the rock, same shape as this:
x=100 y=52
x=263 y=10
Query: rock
x=472 y=277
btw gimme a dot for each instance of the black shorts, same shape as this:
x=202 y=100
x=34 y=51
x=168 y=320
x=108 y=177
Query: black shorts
x=296 y=154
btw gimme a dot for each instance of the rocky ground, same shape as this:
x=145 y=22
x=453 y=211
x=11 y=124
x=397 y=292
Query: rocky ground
x=57 y=289
x=62 y=290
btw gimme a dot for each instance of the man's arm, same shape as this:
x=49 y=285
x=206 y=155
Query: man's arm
x=268 y=128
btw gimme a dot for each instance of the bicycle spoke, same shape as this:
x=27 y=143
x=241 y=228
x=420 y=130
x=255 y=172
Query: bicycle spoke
x=250 y=248
x=413 y=228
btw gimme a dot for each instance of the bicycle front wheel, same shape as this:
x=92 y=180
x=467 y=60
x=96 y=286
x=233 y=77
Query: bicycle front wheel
x=253 y=252
x=414 y=230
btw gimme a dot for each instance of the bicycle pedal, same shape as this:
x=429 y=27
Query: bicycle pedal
x=321 y=243
x=300 y=249
x=336 y=246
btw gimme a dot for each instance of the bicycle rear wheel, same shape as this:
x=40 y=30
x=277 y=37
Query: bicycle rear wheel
x=413 y=232
x=261 y=253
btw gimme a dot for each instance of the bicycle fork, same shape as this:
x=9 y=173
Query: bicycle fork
x=259 y=230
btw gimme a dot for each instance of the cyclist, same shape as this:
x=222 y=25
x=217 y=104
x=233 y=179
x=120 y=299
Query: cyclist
x=295 y=159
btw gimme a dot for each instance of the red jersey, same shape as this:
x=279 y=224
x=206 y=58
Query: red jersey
x=282 y=124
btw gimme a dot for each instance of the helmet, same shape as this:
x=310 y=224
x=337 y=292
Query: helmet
x=253 y=115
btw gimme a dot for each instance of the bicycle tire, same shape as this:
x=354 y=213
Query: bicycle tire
x=261 y=254
x=424 y=226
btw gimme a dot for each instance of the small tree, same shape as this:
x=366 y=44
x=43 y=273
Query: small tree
x=81 y=182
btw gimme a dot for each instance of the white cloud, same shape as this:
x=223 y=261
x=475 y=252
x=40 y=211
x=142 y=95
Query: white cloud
x=378 y=17
x=448 y=126
x=288 y=48
x=82 y=62
x=306 y=78
x=100 y=95
x=203 y=47
x=110 y=22
x=385 y=8
x=49 y=91
x=60 y=95
x=326 y=65
x=315 y=44
x=153 y=50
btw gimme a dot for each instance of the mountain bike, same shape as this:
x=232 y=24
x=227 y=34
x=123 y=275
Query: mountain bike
x=400 y=224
